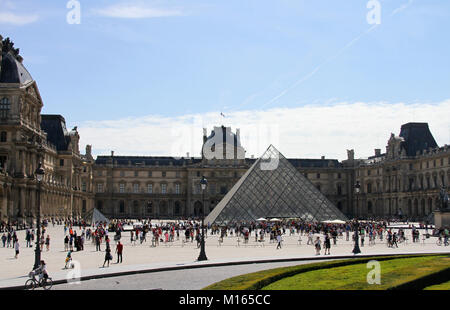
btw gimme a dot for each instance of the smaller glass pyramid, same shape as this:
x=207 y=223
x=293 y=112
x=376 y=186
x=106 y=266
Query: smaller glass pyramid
x=273 y=188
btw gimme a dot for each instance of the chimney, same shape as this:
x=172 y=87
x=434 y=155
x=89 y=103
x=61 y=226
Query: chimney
x=112 y=153
x=377 y=152
x=238 y=133
x=187 y=154
x=323 y=157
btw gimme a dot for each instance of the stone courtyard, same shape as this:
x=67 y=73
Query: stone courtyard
x=178 y=253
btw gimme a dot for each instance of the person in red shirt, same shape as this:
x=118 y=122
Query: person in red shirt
x=119 y=249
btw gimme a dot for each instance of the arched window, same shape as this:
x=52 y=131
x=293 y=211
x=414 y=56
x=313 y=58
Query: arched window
x=135 y=207
x=4 y=108
x=100 y=205
x=177 y=208
x=149 y=207
x=369 y=207
x=122 y=206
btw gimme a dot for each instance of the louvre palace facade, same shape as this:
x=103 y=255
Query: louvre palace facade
x=405 y=179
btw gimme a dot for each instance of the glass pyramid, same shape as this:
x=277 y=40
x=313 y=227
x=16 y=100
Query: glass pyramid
x=273 y=188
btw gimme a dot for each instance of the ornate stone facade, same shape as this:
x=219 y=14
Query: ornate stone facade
x=405 y=180
x=27 y=138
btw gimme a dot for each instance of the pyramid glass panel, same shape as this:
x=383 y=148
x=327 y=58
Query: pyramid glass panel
x=273 y=187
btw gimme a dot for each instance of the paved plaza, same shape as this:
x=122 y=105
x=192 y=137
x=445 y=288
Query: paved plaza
x=179 y=254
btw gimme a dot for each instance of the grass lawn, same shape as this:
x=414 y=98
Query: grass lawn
x=338 y=274
x=443 y=286
x=354 y=277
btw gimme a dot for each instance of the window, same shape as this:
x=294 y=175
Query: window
x=83 y=208
x=99 y=173
x=339 y=176
x=163 y=174
x=61 y=162
x=4 y=108
x=177 y=188
x=212 y=174
x=368 y=172
x=122 y=206
x=122 y=173
x=198 y=173
x=163 y=188
x=2 y=162
x=135 y=207
x=122 y=188
x=223 y=190
x=339 y=189
x=149 y=207
x=100 y=188
x=212 y=189
x=177 y=174
x=149 y=174
x=100 y=205
x=369 y=187
x=318 y=175
x=150 y=188
x=136 y=188
x=136 y=173
x=177 y=208
x=83 y=186
x=3 y=136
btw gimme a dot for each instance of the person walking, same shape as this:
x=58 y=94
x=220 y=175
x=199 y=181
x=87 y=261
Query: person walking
x=47 y=242
x=9 y=238
x=310 y=238
x=97 y=243
x=119 y=250
x=394 y=240
x=66 y=243
x=327 y=244
x=16 y=247
x=4 y=239
x=279 y=241
x=317 y=245
x=108 y=256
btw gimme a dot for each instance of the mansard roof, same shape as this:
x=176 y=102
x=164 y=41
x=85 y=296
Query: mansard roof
x=417 y=138
x=57 y=134
x=146 y=160
x=176 y=161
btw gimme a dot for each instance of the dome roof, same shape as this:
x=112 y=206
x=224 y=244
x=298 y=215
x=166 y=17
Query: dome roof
x=12 y=70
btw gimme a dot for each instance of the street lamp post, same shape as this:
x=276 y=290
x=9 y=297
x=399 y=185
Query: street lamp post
x=202 y=255
x=356 y=249
x=39 y=176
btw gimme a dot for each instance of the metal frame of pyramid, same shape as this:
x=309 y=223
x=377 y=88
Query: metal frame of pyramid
x=273 y=187
x=94 y=216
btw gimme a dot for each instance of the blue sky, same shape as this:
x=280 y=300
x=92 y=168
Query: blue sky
x=169 y=59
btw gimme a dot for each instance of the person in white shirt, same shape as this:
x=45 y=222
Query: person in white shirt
x=16 y=247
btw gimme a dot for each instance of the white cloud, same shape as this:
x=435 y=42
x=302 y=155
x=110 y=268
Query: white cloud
x=136 y=11
x=17 y=19
x=303 y=132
